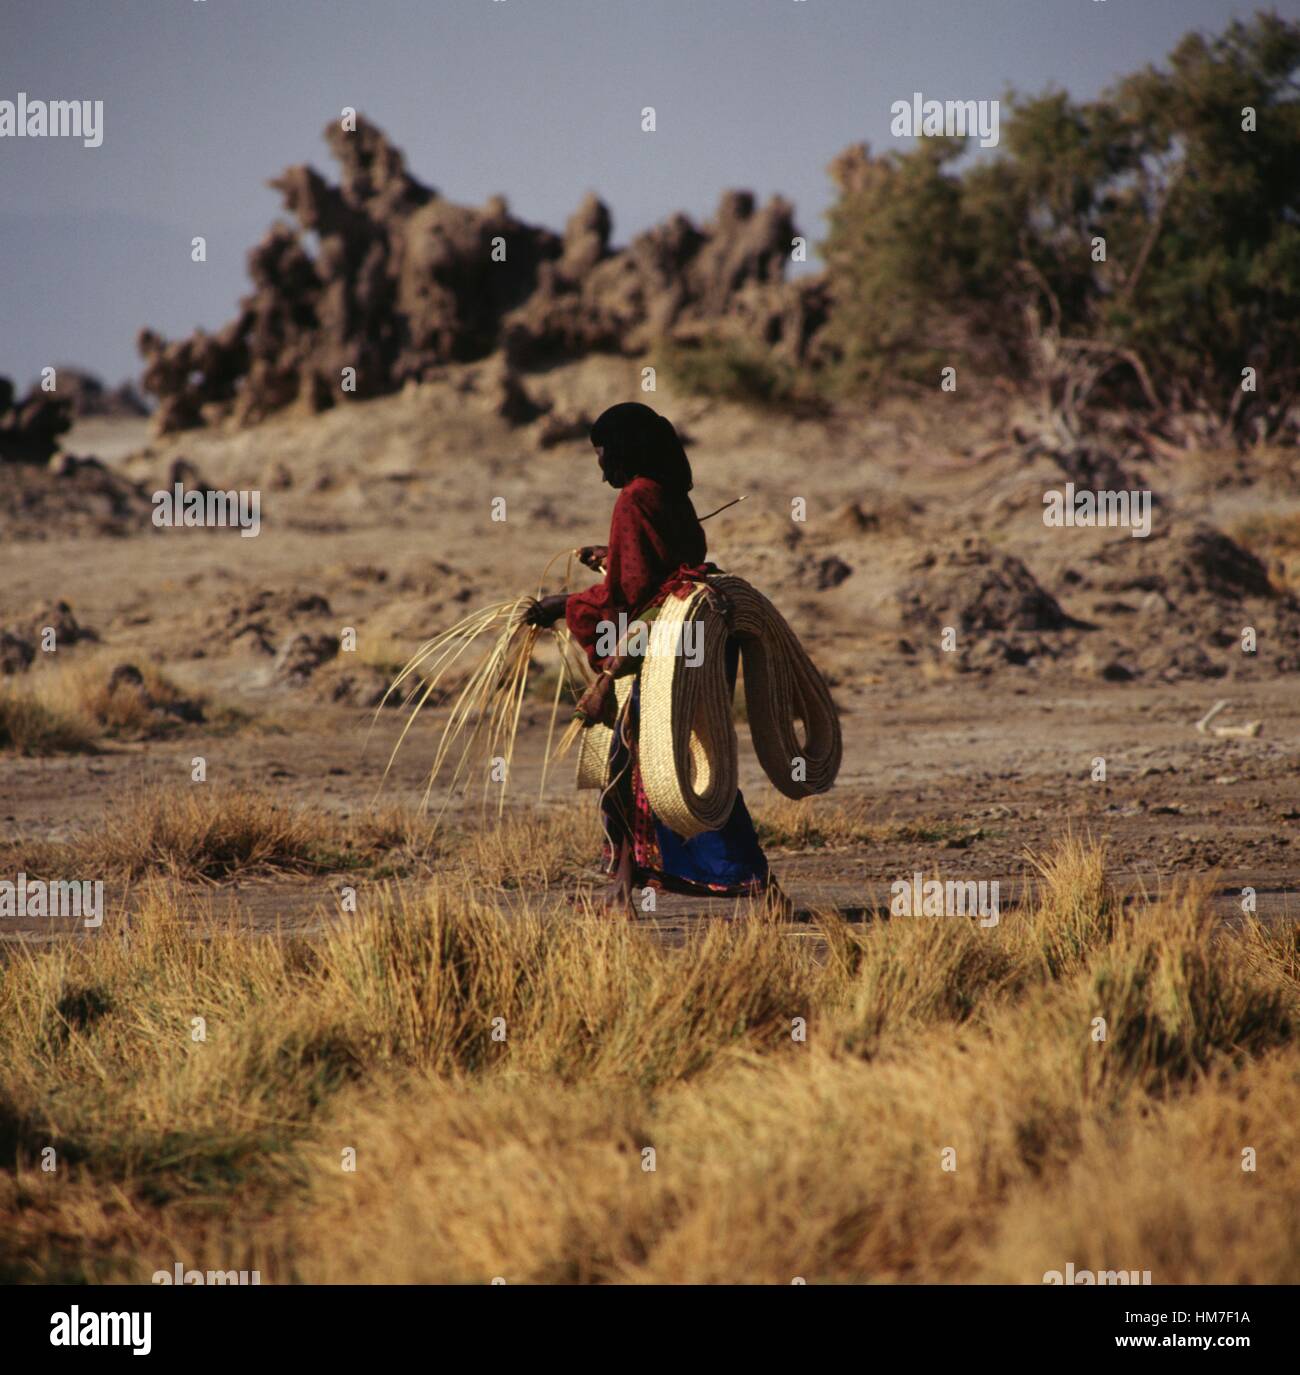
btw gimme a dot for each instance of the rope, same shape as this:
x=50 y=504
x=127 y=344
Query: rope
x=688 y=750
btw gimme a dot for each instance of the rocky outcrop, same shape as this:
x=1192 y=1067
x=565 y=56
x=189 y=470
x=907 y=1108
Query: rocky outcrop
x=994 y=607
x=30 y=428
x=401 y=281
x=90 y=398
x=676 y=277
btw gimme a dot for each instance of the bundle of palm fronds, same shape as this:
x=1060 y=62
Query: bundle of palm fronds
x=478 y=736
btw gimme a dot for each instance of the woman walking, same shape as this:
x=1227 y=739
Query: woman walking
x=656 y=549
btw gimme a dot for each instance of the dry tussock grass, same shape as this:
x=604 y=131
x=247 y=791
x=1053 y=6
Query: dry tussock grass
x=200 y=834
x=117 y=708
x=529 y=851
x=210 y=833
x=814 y=824
x=500 y=1077
x=214 y=833
x=69 y=708
x=30 y=726
x=1274 y=537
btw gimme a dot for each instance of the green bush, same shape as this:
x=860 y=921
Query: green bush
x=1142 y=247
x=732 y=369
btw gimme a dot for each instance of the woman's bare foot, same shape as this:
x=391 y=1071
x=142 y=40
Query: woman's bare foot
x=617 y=901
x=618 y=896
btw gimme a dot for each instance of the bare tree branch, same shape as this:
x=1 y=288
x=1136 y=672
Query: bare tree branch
x=1153 y=233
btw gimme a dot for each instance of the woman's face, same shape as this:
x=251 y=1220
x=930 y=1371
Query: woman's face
x=609 y=470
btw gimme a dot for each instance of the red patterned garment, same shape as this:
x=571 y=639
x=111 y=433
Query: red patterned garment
x=656 y=546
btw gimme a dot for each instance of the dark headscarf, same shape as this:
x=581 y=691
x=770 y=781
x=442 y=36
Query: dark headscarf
x=639 y=442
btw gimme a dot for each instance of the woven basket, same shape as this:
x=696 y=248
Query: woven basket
x=596 y=740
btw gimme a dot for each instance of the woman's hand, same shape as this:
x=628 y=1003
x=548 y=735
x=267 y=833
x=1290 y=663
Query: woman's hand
x=547 y=611
x=598 y=702
x=594 y=556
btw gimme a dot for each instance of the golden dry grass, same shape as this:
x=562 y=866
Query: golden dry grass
x=815 y=824
x=214 y=833
x=1274 y=537
x=119 y=709
x=500 y=1079
x=70 y=707
x=31 y=726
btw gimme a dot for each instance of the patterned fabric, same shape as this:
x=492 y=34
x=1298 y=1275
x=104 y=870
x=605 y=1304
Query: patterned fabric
x=656 y=546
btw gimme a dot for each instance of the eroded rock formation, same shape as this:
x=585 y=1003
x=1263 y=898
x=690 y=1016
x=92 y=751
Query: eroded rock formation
x=383 y=277
x=30 y=428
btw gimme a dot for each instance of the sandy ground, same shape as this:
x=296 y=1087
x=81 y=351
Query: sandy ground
x=378 y=517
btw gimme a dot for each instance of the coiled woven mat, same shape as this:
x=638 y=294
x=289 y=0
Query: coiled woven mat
x=687 y=737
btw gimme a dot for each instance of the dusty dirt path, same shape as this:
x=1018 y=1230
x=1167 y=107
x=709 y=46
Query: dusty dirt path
x=971 y=777
x=377 y=517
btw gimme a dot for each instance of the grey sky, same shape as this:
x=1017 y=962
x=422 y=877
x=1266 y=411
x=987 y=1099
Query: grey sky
x=537 y=99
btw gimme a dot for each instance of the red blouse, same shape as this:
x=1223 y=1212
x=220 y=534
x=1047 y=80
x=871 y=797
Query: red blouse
x=656 y=546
